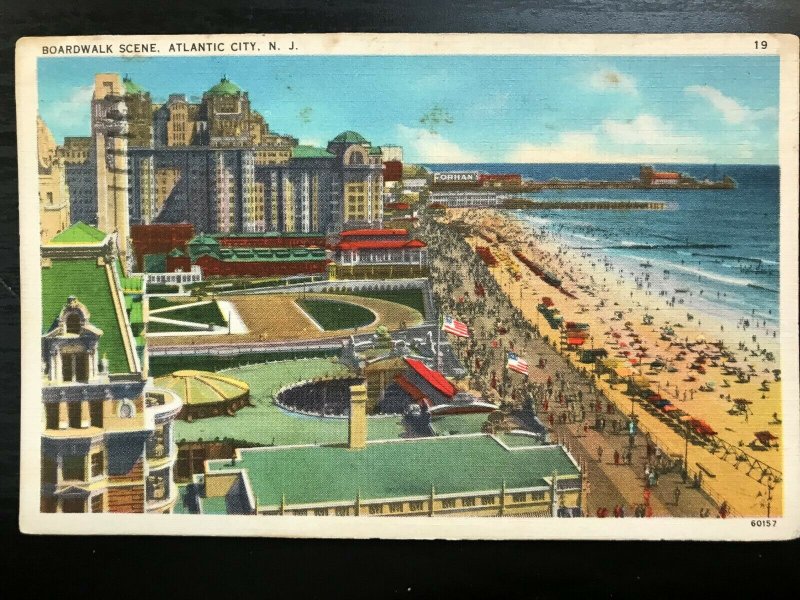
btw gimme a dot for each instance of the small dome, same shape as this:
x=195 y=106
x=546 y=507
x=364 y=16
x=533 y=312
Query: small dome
x=225 y=87
x=350 y=137
x=206 y=394
x=131 y=87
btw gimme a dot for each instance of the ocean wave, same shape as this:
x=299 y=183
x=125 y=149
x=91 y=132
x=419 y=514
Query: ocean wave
x=713 y=276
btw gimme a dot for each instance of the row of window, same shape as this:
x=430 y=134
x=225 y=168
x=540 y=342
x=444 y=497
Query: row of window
x=72 y=504
x=73 y=467
x=421 y=505
x=74 y=414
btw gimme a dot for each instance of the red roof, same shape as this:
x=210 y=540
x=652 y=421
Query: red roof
x=379 y=244
x=436 y=379
x=665 y=175
x=375 y=232
x=397 y=205
x=412 y=390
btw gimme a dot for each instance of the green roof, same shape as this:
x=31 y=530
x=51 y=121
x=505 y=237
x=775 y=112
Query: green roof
x=266 y=254
x=350 y=137
x=310 y=152
x=203 y=238
x=374 y=150
x=176 y=253
x=155 y=263
x=225 y=87
x=395 y=469
x=132 y=87
x=88 y=282
x=79 y=233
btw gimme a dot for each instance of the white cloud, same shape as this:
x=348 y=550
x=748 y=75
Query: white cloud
x=70 y=114
x=648 y=130
x=609 y=79
x=422 y=145
x=645 y=139
x=732 y=111
x=310 y=142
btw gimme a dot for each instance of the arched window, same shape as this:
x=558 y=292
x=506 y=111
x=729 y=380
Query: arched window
x=73 y=323
x=356 y=158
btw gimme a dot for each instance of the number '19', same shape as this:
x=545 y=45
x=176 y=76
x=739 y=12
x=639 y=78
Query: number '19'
x=761 y=45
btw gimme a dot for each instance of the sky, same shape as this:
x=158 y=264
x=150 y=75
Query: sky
x=460 y=109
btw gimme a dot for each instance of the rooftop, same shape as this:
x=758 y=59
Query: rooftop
x=436 y=379
x=225 y=87
x=203 y=387
x=350 y=137
x=132 y=87
x=395 y=469
x=374 y=232
x=268 y=254
x=87 y=281
x=379 y=244
x=311 y=152
x=79 y=233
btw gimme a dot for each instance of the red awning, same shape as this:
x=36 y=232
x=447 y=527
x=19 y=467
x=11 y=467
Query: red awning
x=575 y=341
x=436 y=379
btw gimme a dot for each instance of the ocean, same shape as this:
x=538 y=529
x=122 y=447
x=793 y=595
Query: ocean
x=739 y=275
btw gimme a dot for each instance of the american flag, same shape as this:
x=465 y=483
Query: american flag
x=450 y=325
x=515 y=363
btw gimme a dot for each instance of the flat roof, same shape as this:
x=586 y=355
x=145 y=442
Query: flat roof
x=395 y=469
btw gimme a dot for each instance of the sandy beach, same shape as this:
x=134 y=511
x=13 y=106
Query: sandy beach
x=633 y=316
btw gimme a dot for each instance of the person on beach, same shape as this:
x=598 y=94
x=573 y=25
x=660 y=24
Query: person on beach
x=599 y=454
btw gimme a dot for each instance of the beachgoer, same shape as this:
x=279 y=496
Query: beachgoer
x=677 y=495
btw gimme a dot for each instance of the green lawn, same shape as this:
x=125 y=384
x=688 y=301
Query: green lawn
x=202 y=313
x=453 y=424
x=265 y=423
x=411 y=298
x=333 y=315
x=161 y=365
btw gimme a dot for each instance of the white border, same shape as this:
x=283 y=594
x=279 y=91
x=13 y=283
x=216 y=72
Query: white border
x=788 y=526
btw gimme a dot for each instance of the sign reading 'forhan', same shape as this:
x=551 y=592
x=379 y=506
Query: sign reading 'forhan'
x=456 y=177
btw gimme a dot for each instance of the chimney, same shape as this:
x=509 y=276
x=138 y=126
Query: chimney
x=358 y=417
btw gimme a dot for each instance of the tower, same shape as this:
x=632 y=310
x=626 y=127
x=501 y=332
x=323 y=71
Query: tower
x=109 y=137
x=357 y=438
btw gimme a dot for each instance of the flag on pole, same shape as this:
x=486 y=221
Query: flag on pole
x=451 y=325
x=515 y=363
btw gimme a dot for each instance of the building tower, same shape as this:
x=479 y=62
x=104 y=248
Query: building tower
x=358 y=417
x=109 y=137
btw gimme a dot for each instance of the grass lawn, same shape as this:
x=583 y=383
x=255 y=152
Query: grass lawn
x=411 y=298
x=265 y=423
x=333 y=315
x=203 y=313
x=454 y=424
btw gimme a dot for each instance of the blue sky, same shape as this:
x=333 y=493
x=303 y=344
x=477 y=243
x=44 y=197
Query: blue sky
x=492 y=108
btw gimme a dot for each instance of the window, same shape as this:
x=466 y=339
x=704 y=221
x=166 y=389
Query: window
x=97 y=464
x=74 y=412
x=449 y=503
x=97 y=503
x=396 y=507
x=375 y=509
x=538 y=496
x=73 y=504
x=320 y=512
x=300 y=513
x=518 y=497
x=487 y=500
x=416 y=506
x=468 y=502
x=74 y=468
x=48 y=504
x=342 y=511
x=96 y=413
x=51 y=415
x=49 y=470
x=73 y=323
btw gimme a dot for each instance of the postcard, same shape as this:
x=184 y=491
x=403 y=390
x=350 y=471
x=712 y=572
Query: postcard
x=427 y=286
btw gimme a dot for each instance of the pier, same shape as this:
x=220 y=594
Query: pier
x=586 y=204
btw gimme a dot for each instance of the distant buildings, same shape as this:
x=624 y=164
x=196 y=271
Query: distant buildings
x=54 y=207
x=214 y=164
x=107 y=439
x=468 y=198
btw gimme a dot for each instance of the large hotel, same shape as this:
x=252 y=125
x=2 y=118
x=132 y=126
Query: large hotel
x=214 y=164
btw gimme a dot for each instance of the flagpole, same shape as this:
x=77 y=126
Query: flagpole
x=439 y=342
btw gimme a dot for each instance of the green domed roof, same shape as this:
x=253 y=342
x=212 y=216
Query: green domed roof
x=350 y=137
x=131 y=87
x=225 y=87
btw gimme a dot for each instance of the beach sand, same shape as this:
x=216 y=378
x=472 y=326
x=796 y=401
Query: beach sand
x=600 y=291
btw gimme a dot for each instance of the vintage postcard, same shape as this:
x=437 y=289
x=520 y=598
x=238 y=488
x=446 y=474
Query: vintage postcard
x=410 y=283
